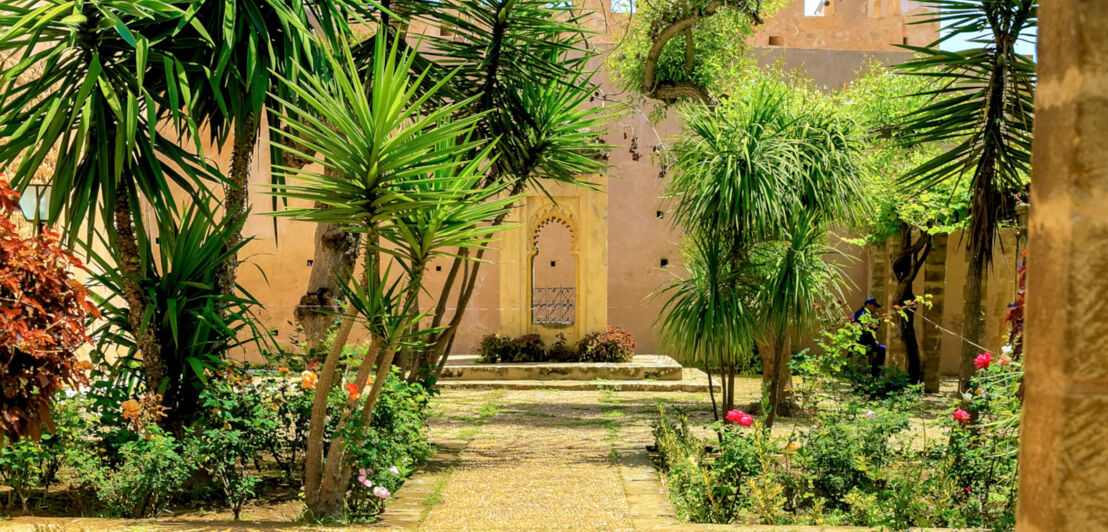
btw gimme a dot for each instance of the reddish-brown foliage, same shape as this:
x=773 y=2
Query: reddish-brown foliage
x=43 y=312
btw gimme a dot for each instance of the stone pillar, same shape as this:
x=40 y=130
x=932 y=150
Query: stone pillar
x=1063 y=449
x=878 y=276
x=931 y=341
x=896 y=356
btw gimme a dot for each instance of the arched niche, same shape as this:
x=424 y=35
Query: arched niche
x=567 y=209
x=553 y=257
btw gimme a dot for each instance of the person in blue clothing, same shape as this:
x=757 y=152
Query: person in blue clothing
x=874 y=351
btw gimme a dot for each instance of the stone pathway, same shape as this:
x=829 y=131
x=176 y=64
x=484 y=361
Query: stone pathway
x=541 y=459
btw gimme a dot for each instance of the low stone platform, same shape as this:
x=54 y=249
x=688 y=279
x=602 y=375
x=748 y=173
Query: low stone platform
x=640 y=368
x=692 y=381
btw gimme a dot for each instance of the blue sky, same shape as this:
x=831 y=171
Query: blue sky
x=1025 y=46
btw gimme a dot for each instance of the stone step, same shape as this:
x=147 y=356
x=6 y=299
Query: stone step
x=563 y=385
x=640 y=368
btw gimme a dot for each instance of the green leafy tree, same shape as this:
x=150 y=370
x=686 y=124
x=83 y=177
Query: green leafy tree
x=673 y=50
x=878 y=101
x=982 y=113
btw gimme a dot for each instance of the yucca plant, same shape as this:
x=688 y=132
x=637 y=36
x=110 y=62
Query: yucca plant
x=523 y=68
x=384 y=161
x=190 y=318
x=744 y=173
x=707 y=316
x=983 y=112
x=796 y=285
x=91 y=100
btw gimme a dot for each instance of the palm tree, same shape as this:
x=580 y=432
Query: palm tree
x=236 y=79
x=984 y=112
x=523 y=67
x=93 y=83
x=707 y=317
x=384 y=161
x=795 y=286
x=743 y=171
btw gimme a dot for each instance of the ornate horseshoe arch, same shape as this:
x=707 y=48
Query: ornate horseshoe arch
x=585 y=214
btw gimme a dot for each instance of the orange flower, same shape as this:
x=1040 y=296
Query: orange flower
x=131 y=409
x=792 y=446
x=352 y=389
x=307 y=380
x=283 y=371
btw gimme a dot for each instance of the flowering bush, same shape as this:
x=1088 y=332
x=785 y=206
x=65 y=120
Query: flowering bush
x=43 y=312
x=613 y=345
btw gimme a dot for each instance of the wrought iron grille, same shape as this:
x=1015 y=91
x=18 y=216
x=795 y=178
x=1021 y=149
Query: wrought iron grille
x=553 y=306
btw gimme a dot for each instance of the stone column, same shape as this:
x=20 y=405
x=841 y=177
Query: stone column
x=931 y=341
x=896 y=356
x=1063 y=451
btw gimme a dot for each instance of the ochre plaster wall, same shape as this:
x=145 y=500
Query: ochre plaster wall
x=637 y=238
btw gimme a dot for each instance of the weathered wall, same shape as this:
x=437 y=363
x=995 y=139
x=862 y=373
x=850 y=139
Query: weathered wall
x=639 y=233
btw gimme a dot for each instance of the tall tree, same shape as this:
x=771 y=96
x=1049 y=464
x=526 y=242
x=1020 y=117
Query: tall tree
x=388 y=160
x=878 y=101
x=983 y=111
x=108 y=87
x=523 y=67
x=742 y=173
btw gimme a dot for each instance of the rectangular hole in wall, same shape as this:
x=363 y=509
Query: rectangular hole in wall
x=310 y=262
x=776 y=40
x=660 y=215
x=438 y=268
x=664 y=262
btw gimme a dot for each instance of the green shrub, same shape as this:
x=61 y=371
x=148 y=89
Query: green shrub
x=493 y=349
x=151 y=472
x=19 y=466
x=386 y=452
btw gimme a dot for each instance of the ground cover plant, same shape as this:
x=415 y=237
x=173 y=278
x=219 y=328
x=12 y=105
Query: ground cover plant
x=111 y=458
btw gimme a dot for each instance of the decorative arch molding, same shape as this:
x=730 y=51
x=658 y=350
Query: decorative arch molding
x=548 y=215
x=585 y=213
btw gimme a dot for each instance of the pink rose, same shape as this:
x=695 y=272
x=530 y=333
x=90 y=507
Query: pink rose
x=983 y=360
x=961 y=416
x=740 y=418
x=381 y=492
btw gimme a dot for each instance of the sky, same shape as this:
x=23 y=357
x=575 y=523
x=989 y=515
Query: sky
x=961 y=42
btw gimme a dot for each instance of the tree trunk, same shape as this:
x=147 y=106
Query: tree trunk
x=236 y=196
x=336 y=253
x=313 y=467
x=973 y=326
x=130 y=263
x=776 y=375
x=906 y=266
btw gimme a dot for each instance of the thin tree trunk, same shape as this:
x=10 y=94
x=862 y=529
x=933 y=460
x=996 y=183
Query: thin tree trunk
x=236 y=196
x=906 y=266
x=973 y=326
x=130 y=263
x=313 y=468
x=337 y=469
x=776 y=384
